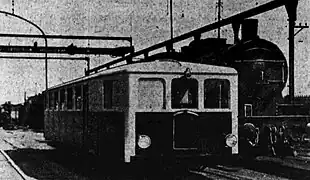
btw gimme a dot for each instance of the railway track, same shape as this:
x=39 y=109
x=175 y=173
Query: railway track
x=261 y=168
x=216 y=173
x=15 y=171
x=10 y=144
x=11 y=171
x=264 y=168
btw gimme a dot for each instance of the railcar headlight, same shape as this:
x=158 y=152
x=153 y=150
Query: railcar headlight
x=144 y=141
x=231 y=140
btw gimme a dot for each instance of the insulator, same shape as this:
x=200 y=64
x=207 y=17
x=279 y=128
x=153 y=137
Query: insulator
x=12 y=6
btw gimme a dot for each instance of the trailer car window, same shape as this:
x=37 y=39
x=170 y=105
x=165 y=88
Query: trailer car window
x=50 y=100
x=151 y=93
x=85 y=97
x=62 y=99
x=70 y=98
x=184 y=93
x=78 y=97
x=216 y=93
x=56 y=100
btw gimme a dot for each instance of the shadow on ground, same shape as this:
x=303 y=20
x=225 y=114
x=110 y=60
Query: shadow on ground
x=275 y=166
x=62 y=164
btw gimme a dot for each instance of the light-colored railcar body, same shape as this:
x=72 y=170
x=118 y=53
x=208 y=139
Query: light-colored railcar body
x=162 y=108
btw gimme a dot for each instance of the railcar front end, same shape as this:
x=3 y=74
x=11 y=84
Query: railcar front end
x=181 y=110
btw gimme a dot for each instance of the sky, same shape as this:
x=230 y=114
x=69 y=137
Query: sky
x=146 y=21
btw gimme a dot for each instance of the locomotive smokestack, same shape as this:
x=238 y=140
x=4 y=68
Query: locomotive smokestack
x=249 y=29
x=236 y=27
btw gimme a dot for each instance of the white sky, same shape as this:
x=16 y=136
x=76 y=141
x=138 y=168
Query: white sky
x=147 y=21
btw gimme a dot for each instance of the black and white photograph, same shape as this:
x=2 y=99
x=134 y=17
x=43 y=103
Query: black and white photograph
x=154 y=89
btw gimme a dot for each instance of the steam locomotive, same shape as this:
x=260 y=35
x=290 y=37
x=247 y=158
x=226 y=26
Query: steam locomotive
x=262 y=75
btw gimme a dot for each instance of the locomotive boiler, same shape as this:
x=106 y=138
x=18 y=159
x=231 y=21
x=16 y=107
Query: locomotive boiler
x=261 y=66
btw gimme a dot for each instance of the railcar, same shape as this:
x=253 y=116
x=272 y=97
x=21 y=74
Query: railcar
x=162 y=108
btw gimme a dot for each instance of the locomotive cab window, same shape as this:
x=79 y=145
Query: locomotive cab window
x=216 y=93
x=184 y=93
x=275 y=73
x=151 y=93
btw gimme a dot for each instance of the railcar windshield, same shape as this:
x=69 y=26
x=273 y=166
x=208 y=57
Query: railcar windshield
x=184 y=93
x=151 y=93
x=216 y=93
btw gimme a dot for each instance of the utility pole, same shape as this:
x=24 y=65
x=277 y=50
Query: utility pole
x=219 y=6
x=171 y=26
x=291 y=7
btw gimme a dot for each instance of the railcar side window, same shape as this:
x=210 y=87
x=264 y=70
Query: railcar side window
x=78 y=97
x=151 y=93
x=107 y=97
x=184 y=93
x=118 y=93
x=216 y=93
x=114 y=91
x=56 y=100
x=62 y=99
x=70 y=98
x=85 y=96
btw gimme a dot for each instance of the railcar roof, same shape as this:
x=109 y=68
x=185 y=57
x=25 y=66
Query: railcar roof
x=162 y=66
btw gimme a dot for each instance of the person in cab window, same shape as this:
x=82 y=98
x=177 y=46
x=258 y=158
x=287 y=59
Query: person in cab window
x=185 y=92
x=79 y=102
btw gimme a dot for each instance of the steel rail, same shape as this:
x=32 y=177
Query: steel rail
x=13 y=165
x=208 y=171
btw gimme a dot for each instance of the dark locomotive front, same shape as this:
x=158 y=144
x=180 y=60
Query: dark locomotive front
x=261 y=66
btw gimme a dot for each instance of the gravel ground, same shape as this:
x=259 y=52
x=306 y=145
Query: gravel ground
x=37 y=159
